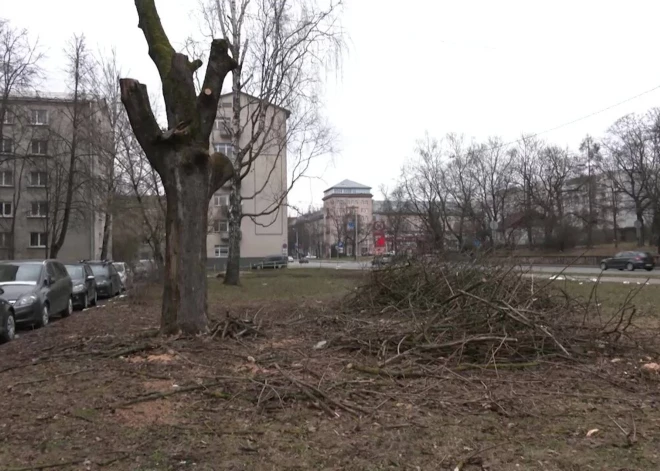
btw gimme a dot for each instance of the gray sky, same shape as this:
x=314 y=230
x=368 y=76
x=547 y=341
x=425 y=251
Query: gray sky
x=479 y=68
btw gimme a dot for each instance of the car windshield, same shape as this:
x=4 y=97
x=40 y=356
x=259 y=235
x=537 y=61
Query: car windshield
x=119 y=267
x=75 y=271
x=28 y=272
x=100 y=270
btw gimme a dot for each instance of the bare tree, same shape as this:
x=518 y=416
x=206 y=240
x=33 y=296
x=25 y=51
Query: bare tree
x=281 y=47
x=634 y=167
x=181 y=157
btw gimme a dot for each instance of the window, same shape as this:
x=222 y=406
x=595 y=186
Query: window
x=6 y=146
x=221 y=124
x=39 y=209
x=6 y=209
x=220 y=226
x=39 y=147
x=39 y=117
x=37 y=179
x=225 y=148
x=221 y=200
x=221 y=250
x=5 y=239
x=9 y=117
x=38 y=239
x=7 y=178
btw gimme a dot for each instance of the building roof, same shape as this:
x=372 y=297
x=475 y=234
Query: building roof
x=253 y=99
x=350 y=184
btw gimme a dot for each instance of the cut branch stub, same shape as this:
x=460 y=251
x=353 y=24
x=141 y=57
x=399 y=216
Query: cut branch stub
x=222 y=170
x=219 y=65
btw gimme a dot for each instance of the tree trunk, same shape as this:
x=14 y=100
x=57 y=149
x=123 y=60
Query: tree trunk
x=640 y=229
x=184 y=294
x=233 y=269
x=107 y=225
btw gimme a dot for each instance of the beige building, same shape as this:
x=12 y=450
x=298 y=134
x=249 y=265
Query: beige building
x=348 y=217
x=35 y=153
x=263 y=189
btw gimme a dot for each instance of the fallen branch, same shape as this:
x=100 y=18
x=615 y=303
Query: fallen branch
x=162 y=395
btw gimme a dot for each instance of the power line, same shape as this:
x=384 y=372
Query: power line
x=578 y=119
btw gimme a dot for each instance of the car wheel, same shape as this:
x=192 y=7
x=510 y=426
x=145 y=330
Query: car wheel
x=9 y=329
x=630 y=267
x=69 y=308
x=44 y=318
x=603 y=266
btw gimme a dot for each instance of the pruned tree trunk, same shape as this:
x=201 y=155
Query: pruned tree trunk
x=181 y=157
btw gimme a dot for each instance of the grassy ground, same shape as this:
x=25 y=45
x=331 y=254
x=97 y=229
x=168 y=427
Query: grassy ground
x=99 y=391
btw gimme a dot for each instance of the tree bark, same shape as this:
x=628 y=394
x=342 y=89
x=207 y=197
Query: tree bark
x=181 y=157
x=107 y=224
x=233 y=268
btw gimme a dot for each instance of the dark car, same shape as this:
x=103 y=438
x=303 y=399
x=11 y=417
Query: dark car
x=629 y=261
x=303 y=260
x=108 y=282
x=382 y=260
x=7 y=320
x=84 y=285
x=274 y=261
x=36 y=289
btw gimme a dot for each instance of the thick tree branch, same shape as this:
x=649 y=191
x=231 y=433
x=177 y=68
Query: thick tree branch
x=135 y=98
x=222 y=170
x=160 y=49
x=220 y=64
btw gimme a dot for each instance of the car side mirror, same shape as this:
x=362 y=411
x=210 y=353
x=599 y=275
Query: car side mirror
x=90 y=278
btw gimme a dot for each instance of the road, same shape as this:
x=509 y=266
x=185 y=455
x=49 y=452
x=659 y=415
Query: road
x=580 y=273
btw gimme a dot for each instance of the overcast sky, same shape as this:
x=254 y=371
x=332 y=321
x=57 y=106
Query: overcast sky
x=479 y=68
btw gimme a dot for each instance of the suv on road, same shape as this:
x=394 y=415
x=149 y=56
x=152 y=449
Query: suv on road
x=630 y=261
x=274 y=261
x=36 y=289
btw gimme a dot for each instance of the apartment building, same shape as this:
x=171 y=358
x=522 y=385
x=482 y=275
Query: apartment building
x=263 y=189
x=348 y=215
x=36 y=142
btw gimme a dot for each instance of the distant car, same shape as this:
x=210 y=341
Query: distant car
x=274 y=262
x=629 y=261
x=290 y=259
x=381 y=260
x=108 y=283
x=7 y=320
x=35 y=289
x=84 y=285
x=311 y=257
x=303 y=260
x=122 y=269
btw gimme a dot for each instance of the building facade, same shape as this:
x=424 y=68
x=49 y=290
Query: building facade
x=348 y=217
x=263 y=189
x=38 y=152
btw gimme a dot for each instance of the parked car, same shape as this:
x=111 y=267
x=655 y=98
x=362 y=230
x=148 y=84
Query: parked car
x=381 y=260
x=274 y=261
x=7 y=320
x=108 y=283
x=303 y=260
x=36 y=289
x=629 y=261
x=123 y=271
x=84 y=285
x=290 y=259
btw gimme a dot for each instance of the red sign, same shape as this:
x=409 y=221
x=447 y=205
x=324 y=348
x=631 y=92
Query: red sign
x=380 y=241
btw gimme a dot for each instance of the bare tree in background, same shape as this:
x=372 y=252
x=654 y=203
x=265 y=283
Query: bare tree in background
x=397 y=214
x=281 y=47
x=66 y=177
x=633 y=167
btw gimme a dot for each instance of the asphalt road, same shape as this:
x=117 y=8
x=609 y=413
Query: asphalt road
x=547 y=270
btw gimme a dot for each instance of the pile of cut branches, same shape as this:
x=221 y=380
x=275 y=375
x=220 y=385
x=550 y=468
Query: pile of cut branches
x=432 y=312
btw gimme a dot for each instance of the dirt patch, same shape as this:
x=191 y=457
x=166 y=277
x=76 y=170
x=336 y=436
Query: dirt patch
x=272 y=401
x=158 y=412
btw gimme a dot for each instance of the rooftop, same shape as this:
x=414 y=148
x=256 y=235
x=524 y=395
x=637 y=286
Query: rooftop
x=350 y=184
